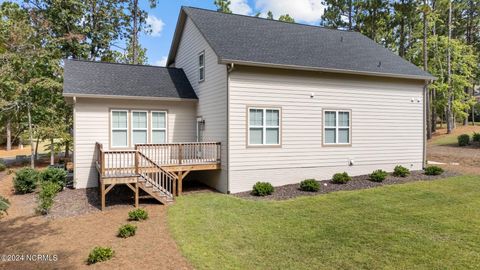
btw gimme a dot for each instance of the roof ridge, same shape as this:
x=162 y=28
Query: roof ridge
x=114 y=63
x=265 y=19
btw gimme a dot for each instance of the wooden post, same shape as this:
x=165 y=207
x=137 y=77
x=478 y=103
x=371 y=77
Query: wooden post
x=180 y=153
x=136 y=195
x=180 y=180
x=102 y=191
x=136 y=161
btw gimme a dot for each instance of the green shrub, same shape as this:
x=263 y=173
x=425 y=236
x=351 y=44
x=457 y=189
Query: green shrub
x=378 y=175
x=4 y=205
x=3 y=167
x=127 y=230
x=100 y=254
x=476 y=137
x=401 y=171
x=262 y=189
x=463 y=140
x=55 y=175
x=25 y=180
x=433 y=170
x=341 y=178
x=309 y=185
x=138 y=214
x=48 y=191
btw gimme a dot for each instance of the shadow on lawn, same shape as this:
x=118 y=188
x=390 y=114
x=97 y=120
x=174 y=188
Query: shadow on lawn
x=21 y=236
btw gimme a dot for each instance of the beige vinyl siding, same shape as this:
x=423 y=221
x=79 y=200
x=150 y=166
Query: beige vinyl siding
x=212 y=95
x=386 y=125
x=91 y=125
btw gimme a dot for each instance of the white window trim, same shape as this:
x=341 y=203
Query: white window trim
x=152 y=129
x=113 y=129
x=134 y=129
x=337 y=127
x=201 y=67
x=264 y=126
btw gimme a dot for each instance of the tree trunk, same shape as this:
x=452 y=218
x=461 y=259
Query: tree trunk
x=425 y=67
x=36 y=148
x=9 y=134
x=30 y=133
x=135 y=32
x=52 y=152
x=449 y=71
x=350 y=10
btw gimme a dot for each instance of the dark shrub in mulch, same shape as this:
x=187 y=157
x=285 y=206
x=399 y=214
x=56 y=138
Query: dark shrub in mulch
x=309 y=185
x=357 y=182
x=262 y=189
x=378 y=176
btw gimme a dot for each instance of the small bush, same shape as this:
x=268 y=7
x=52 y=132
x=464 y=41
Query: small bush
x=262 y=189
x=54 y=175
x=3 y=167
x=309 y=185
x=476 y=137
x=127 y=230
x=401 y=171
x=25 y=180
x=378 y=175
x=341 y=178
x=100 y=254
x=138 y=214
x=463 y=140
x=433 y=170
x=48 y=191
x=4 y=205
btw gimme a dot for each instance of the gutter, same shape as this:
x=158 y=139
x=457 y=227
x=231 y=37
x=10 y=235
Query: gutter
x=332 y=70
x=128 y=97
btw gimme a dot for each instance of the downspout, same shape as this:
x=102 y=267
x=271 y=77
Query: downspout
x=425 y=89
x=230 y=68
x=74 y=143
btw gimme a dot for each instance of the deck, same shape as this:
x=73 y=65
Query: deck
x=158 y=169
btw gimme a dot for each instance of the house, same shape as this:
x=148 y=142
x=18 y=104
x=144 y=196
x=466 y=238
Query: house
x=246 y=99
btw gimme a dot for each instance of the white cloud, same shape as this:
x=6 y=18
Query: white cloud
x=309 y=11
x=240 y=7
x=156 y=25
x=162 y=62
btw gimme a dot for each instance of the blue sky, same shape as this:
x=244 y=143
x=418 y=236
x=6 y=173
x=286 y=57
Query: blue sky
x=163 y=18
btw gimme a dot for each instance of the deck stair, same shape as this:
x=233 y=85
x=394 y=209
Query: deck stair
x=157 y=169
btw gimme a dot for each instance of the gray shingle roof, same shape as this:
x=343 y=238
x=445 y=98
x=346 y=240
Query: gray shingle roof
x=249 y=40
x=109 y=79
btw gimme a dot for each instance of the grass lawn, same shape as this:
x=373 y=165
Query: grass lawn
x=422 y=225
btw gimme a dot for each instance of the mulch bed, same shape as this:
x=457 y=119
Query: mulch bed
x=358 y=182
x=75 y=202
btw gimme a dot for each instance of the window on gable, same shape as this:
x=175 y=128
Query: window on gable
x=119 y=130
x=336 y=127
x=263 y=126
x=159 y=127
x=201 y=66
x=139 y=127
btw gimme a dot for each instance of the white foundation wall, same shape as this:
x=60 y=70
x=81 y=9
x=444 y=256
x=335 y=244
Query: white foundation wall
x=387 y=127
x=92 y=121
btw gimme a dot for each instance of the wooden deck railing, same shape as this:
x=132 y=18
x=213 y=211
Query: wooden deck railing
x=159 y=178
x=123 y=163
x=182 y=153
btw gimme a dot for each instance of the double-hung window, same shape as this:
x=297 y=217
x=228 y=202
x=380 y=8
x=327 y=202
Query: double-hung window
x=264 y=126
x=119 y=126
x=159 y=127
x=337 y=127
x=201 y=66
x=139 y=127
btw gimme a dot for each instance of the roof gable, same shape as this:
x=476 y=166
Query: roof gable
x=261 y=42
x=112 y=79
